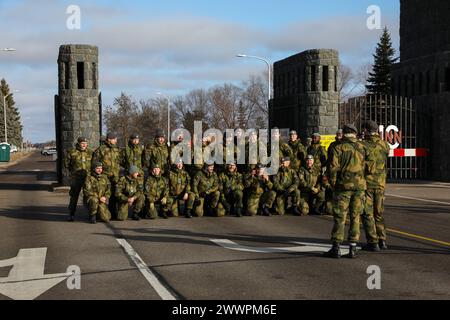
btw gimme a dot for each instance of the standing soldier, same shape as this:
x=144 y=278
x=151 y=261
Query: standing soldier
x=97 y=190
x=108 y=155
x=347 y=179
x=205 y=186
x=180 y=191
x=78 y=162
x=157 y=193
x=132 y=155
x=328 y=192
x=378 y=151
x=284 y=148
x=285 y=183
x=231 y=190
x=298 y=151
x=260 y=193
x=311 y=194
x=157 y=153
x=130 y=193
x=318 y=152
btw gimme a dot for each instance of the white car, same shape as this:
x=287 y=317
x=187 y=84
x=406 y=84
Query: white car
x=49 y=151
x=13 y=149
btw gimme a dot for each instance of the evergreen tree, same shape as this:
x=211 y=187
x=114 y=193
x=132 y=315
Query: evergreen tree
x=13 y=124
x=379 y=81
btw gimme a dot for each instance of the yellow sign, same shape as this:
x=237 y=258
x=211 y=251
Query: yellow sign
x=327 y=140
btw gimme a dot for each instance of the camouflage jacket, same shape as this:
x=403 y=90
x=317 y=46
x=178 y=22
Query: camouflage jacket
x=78 y=162
x=230 y=182
x=97 y=186
x=157 y=154
x=285 y=180
x=179 y=182
x=156 y=188
x=109 y=156
x=128 y=187
x=319 y=153
x=308 y=179
x=132 y=155
x=378 y=151
x=285 y=151
x=257 y=185
x=347 y=165
x=205 y=182
x=298 y=154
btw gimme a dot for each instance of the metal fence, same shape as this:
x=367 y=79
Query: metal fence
x=412 y=122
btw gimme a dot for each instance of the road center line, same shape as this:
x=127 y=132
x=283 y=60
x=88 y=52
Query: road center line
x=418 y=237
x=146 y=272
x=418 y=199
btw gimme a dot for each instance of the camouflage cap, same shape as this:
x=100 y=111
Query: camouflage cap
x=371 y=126
x=292 y=132
x=111 y=135
x=285 y=159
x=315 y=134
x=134 y=136
x=155 y=165
x=309 y=157
x=133 y=169
x=340 y=131
x=260 y=166
x=98 y=165
x=350 y=128
x=160 y=133
x=81 y=139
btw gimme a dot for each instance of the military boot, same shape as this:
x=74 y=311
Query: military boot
x=373 y=247
x=188 y=213
x=164 y=215
x=93 y=219
x=136 y=217
x=382 y=244
x=352 y=251
x=227 y=207
x=71 y=217
x=296 y=211
x=265 y=211
x=238 y=212
x=334 y=252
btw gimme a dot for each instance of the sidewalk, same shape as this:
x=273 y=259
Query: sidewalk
x=5 y=165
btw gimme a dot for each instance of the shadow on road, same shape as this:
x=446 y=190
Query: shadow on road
x=43 y=213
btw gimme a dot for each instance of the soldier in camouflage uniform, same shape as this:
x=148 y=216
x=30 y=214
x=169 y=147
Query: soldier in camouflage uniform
x=285 y=183
x=205 y=186
x=378 y=151
x=97 y=190
x=298 y=151
x=78 y=162
x=259 y=190
x=130 y=194
x=157 y=193
x=231 y=190
x=328 y=192
x=284 y=148
x=132 y=155
x=318 y=152
x=347 y=178
x=108 y=155
x=157 y=153
x=180 y=194
x=311 y=193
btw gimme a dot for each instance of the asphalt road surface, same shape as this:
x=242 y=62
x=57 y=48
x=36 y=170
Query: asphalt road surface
x=212 y=258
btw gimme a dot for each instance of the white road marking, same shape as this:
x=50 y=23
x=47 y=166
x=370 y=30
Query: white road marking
x=418 y=199
x=146 y=272
x=303 y=247
x=26 y=279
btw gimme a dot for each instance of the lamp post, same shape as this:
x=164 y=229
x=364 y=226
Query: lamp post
x=4 y=113
x=269 y=68
x=168 y=115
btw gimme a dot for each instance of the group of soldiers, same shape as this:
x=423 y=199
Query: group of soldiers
x=348 y=179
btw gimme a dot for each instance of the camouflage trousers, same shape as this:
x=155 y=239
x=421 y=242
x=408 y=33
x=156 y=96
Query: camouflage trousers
x=75 y=189
x=112 y=205
x=176 y=203
x=310 y=201
x=282 y=200
x=256 y=201
x=374 y=209
x=328 y=210
x=347 y=203
x=98 y=209
x=137 y=206
x=233 y=198
x=210 y=203
x=155 y=206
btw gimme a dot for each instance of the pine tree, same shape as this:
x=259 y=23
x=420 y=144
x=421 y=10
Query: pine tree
x=13 y=124
x=379 y=81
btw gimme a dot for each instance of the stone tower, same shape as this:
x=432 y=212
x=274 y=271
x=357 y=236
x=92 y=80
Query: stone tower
x=306 y=98
x=423 y=73
x=78 y=103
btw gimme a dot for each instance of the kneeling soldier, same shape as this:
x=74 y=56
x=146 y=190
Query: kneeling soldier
x=311 y=193
x=231 y=190
x=260 y=194
x=205 y=186
x=129 y=193
x=180 y=191
x=157 y=193
x=285 y=183
x=97 y=190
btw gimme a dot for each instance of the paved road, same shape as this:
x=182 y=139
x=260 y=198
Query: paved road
x=250 y=257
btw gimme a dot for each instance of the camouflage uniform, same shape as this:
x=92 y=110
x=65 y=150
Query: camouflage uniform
x=157 y=154
x=231 y=192
x=260 y=193
x=157 y=193
x=78 y=162
x=132 y=155
x=320 y=155
x=180 y=184
x=205 y=186
x=298 y=154
x=109 y=156
x=378 y=151
x=128 y=187
x=285 y=183
x=325 y=184
x=347 y=178
x=96 y=187
x=311 y=193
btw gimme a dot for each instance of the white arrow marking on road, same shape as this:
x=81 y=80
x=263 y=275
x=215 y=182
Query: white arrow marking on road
x=303 y=247
x=26 y=279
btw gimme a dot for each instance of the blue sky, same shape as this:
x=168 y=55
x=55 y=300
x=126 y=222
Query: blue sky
x=174 y=46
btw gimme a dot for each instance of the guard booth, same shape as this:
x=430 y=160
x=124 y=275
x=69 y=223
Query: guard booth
x=5 y=150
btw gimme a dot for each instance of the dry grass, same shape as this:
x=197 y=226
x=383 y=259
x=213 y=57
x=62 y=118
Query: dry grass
x=18 y=155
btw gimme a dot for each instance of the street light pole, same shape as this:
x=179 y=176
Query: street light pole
x=269 y=68
x=4 y=113
x=168 y=115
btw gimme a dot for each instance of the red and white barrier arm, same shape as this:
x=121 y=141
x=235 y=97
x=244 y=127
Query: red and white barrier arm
x=420 y=152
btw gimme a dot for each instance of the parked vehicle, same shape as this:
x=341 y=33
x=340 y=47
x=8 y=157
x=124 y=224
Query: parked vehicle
x=49 y=151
